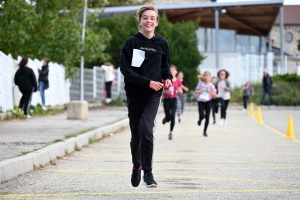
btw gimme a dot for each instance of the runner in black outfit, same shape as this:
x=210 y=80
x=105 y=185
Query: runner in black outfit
x=144 y=63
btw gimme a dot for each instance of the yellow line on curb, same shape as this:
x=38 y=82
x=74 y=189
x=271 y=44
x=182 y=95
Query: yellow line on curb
x=151 y=192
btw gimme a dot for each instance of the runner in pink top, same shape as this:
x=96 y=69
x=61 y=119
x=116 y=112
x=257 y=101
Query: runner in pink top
x=170 y=100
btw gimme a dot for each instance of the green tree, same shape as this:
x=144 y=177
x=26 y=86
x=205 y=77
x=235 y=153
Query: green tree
x=181 y=36
x=50 y=29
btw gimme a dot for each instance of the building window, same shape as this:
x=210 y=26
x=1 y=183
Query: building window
x=289 y=37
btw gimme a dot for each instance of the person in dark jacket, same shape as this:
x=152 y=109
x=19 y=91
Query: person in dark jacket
x=26 y=81
x=43 y=80
x=267 y=88
x=144 y=63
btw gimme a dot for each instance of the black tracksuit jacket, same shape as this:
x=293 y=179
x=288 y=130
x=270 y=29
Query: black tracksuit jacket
x=25 y=79
x=155 y=67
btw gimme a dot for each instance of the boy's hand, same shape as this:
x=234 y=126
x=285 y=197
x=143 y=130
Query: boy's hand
x=156 y=85
x=168 y=83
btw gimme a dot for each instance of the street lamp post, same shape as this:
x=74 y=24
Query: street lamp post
x=82 y=56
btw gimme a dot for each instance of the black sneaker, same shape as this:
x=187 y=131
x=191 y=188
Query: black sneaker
x=170 y=136
x=136 y=177
x=164 y=120
x=149 y=181
x=179 y=120
x=205 y=134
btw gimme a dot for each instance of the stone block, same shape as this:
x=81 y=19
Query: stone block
x=69 y=145
x=1 y=174
x=82 y=140
x=28 y=162
x=58 y=150
x=78 y=110
x=12 y=167
x=44 y=155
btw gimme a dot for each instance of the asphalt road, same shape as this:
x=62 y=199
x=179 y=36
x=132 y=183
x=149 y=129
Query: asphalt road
x=244 y=160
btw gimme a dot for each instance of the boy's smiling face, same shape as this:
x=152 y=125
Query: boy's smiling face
x=148 y=21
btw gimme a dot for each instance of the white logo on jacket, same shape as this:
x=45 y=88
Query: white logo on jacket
x=146 y=48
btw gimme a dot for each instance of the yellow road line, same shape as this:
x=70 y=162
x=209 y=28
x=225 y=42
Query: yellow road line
x=174 y=176
x=276 y=131
x=151 y=192
x=177 y=169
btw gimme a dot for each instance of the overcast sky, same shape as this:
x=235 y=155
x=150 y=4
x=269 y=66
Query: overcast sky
x=286 y=2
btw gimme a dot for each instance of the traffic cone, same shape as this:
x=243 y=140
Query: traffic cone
x=251 y=110
x=259 y=115
x=290 y=129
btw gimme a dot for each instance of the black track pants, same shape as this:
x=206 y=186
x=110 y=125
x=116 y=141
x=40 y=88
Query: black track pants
x=142 y=111
x=204 y=112
x=224 y=105
x=25 y=100
x=170 y=106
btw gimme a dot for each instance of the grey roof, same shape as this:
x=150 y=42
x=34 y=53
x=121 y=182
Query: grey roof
x=124 y=9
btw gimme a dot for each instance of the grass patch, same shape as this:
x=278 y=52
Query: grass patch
x=86 y=130
x=91 y=140
x=57 y=140
x=25 y=152
x=69 y=136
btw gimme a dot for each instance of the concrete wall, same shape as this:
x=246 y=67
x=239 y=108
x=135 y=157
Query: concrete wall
x=290 y=48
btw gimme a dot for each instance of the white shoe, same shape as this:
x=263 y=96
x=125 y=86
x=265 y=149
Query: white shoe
x=108 y=100
x=221 y=122
x=224 y=123
x=44 y=107
x=28 y=117
x=244 y=110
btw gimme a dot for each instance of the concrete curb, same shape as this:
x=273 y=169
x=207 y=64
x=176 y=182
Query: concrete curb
x=17 y=166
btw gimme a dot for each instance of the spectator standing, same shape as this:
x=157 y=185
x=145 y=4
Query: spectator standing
x=109 y=78
x=43 y=80
x=267 y=88
x=26 y=81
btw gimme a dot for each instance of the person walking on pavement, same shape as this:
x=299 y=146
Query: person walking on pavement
x=214 y=101
x=247 y=90
x=144 y=62
x=43 y=80
x=206 y=91
x=224 y=90
x=267 y=88
x=181 y=97
x=170 y=100
x=26 y=81
x=109 y=78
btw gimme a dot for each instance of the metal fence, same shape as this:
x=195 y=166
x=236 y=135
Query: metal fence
x=94 y=85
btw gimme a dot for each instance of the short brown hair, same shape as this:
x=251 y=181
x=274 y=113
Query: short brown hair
x=226 y=72
x=148 y=6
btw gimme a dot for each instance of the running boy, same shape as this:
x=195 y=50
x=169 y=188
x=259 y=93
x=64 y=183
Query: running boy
x=206 y=91
x=144 y=63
